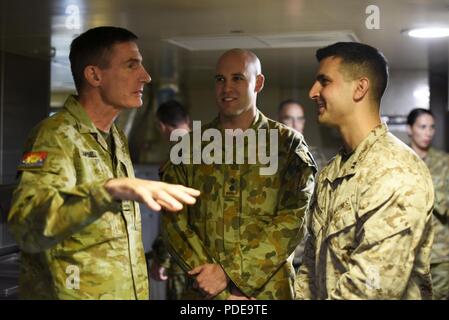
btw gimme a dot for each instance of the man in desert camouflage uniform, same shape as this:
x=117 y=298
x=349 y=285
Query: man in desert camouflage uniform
x=370 y=232
x=73 y=213
x=421 y=130
x=237 y=242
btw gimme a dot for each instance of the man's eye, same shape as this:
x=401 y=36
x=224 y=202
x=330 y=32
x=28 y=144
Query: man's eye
x=219 y=79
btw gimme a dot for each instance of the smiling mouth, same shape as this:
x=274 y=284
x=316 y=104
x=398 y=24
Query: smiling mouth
x=321 y=106
x=228 y=99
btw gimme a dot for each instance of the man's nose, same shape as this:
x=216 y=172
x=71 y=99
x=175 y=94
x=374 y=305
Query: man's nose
x=314 y=91
x=146 y=76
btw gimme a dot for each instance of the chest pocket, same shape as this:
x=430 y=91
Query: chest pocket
x=342 y=227
x=91 y=167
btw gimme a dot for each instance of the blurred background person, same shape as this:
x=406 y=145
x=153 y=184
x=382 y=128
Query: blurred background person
x=421 y=130
x=170 y=115
x=291 y=113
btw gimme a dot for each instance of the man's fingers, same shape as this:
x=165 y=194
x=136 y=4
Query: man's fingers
x=191 y=191
x=167 y=201
x=153 y=205
x=183 y=194
x=196 y=270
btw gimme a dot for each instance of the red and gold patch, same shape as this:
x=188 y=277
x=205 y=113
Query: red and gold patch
x=33 y=159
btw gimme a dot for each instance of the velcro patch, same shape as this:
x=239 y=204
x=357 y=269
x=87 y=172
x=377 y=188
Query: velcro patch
x=33 y=159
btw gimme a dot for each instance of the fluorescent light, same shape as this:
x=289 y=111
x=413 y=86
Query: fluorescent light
x=428 y=32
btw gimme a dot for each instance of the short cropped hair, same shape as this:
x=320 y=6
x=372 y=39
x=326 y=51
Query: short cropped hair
x=358 y=60
x=92 y=48
x=172 y=113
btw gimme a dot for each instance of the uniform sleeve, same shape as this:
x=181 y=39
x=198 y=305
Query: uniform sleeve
x=305 y=279
x=278 y=239
x=182 y=242
x=48 y=205
x=441 y=209
x=395 y=238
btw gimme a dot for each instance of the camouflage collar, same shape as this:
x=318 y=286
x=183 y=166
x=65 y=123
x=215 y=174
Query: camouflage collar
x=260 y=121
x=75 y=108
x=85 y=124
x=346 y=164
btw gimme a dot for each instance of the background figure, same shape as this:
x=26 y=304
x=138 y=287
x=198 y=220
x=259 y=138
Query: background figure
x=291 y=113
x=171 y=115
x=370 y=230
x=74 y=213
x=421 y=129
x=237 y=243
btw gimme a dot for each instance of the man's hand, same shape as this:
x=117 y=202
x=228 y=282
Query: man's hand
x=236 y=294
x=155 y=194
x=157 y=272
x=210 y=278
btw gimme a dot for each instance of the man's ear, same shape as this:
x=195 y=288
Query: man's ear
x=260 y=80
x=92 y=75
x=361 y=90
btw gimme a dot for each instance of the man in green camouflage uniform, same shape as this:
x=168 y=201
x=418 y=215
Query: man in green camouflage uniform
x=73 y=213
x=370 y=231
x=239 y=239
x=421 y=129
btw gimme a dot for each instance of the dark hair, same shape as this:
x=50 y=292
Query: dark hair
x=288 y=101
x=172 y=113
x=415 y=113
x=360 y=59
x=92 y=47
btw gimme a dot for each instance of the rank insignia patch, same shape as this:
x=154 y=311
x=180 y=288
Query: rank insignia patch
x=33 y=160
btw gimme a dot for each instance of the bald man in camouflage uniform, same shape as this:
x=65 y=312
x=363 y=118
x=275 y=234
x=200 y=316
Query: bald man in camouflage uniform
x=238 y=241
x=73 y=213
x=370 y=232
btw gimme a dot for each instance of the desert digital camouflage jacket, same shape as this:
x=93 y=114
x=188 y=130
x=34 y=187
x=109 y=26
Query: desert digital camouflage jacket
x=64 y=220
x=438 y=164
x=248 y=223
x=370 y=232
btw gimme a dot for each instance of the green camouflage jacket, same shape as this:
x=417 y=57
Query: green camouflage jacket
x=76 y=241
x=248 y=223
x=370 y=232
x=438 y=164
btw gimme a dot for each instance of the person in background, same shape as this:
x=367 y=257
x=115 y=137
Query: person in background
x=171 y=115
x=421 y=130
x=291 y=113
x=74 y=212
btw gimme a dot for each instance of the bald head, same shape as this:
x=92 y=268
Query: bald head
x=251 y=60
x=238 y=80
